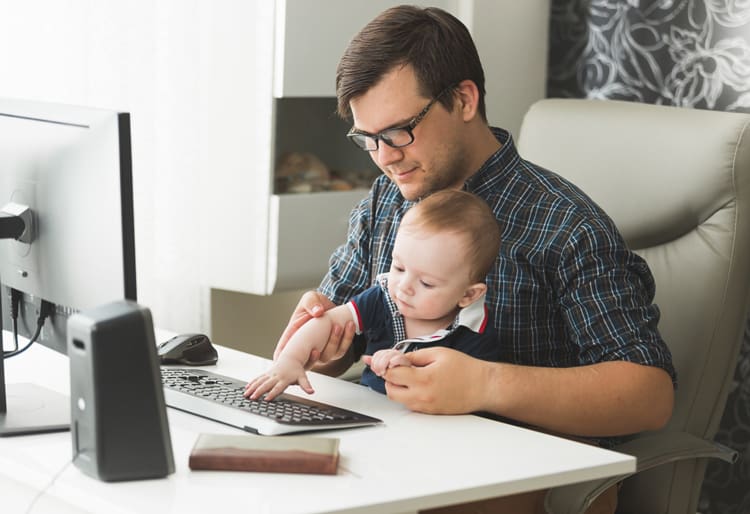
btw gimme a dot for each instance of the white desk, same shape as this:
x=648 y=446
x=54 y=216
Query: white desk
x=413 y=461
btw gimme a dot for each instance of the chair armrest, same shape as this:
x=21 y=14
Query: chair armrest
x=650 y=451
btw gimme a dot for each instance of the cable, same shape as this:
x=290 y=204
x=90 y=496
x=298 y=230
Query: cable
x=15 y=300
x=45 y=309
x=48 y=486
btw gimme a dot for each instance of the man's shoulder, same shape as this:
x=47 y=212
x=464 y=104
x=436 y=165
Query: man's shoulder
x=538 y=191
x=527 y=179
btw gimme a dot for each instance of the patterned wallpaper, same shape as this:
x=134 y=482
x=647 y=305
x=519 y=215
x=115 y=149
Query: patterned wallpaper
x=690 y=53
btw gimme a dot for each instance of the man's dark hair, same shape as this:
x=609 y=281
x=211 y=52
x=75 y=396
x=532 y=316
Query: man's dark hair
x=435 y=43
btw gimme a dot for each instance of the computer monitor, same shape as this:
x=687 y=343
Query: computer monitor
x=66 y=236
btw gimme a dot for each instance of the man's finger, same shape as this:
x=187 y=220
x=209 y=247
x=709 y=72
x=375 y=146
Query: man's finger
x=423 y=357
x=346 y=339
x=331 y=349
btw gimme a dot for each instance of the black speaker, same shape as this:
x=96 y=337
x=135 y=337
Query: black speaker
x=118 y=417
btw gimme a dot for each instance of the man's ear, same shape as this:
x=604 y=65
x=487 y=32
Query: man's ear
x=472 y=294
x=468 y=99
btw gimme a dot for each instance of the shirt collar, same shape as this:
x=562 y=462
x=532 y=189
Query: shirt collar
x=497 y=166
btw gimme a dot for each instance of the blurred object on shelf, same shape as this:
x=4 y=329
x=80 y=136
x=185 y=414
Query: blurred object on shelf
x=305 y=172
x=301 y=172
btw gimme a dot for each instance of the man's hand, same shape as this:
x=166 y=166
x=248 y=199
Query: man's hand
x=313 y=305
x=382 y=360
x=605 y=399
x=439 y=381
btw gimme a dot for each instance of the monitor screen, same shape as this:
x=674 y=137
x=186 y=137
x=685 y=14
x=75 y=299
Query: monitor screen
x=65 y=171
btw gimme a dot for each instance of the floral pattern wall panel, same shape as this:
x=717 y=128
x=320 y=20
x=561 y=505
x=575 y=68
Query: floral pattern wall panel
x=689 y=53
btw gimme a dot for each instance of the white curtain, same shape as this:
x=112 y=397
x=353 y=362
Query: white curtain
x=136 y=56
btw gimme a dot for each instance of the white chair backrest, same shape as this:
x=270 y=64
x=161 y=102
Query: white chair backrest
x=677 y=184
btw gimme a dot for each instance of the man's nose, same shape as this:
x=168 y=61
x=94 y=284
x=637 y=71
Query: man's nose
x=386 y=155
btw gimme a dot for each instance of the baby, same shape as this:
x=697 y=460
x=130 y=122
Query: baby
x=433 y=295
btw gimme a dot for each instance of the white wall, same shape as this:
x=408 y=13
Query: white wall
x=511 y=38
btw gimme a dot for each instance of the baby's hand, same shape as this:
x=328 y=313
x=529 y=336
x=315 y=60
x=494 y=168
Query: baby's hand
x=282 y=374
x=384 y=359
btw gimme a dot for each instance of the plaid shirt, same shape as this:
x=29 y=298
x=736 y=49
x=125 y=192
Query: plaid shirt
x=565 y=290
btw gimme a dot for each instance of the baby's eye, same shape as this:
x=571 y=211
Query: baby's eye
x=400 y=269
x=426 y=285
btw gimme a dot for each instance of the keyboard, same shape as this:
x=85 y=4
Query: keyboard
x=219 y=398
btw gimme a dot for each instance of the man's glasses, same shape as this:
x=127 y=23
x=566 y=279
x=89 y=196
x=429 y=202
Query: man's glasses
x=396 y=137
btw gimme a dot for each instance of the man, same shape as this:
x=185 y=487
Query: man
x=580 y=351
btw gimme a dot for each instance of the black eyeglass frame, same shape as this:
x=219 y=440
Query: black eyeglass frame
x=381 y=136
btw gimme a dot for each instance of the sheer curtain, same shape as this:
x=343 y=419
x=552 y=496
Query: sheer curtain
x=141 y=56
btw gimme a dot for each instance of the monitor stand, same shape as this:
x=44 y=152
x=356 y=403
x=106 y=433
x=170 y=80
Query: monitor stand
x=32 y=409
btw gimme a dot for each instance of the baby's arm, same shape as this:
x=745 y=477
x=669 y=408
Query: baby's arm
x=289 y=366
x=381 y=360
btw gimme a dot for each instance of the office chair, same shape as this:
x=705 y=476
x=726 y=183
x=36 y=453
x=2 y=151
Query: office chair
x=676 y=182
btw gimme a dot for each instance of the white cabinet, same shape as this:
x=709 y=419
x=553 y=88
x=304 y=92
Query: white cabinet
x=305 y=230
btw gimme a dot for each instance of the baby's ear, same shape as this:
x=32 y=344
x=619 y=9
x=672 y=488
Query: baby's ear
x=472 y=293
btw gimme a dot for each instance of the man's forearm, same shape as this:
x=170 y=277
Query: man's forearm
x=605 y=399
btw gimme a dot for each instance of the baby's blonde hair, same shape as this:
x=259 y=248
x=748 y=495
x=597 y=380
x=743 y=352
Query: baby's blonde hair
x=465 y=214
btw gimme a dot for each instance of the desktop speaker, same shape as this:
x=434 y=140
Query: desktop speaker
x=118 y=418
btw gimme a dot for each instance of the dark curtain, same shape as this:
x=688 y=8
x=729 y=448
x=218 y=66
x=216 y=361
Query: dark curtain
x=689 y=53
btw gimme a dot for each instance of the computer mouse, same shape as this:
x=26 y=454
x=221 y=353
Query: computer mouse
x=188 y=349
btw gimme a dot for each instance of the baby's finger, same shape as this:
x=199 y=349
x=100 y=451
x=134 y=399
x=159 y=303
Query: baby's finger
x=276 y=390
x=379 y=363
x=304 y=383
x=264 y=387
x=253 y=385
x=398 y=359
